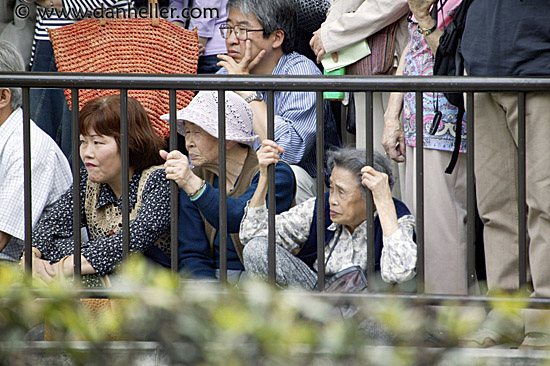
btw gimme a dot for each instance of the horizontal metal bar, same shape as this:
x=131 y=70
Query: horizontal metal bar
x=417 y=299
x=275 y=82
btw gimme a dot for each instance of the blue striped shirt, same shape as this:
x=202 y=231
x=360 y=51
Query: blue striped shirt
x=296 y=118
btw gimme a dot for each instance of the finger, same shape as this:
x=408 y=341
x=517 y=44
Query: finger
x=42 y=274
x=366 y=169
x=175 y=154
x=393 y=154
x=226 y=62
x=50 y=269
x=245 y=61
x=163 y=154
x=320 y=55
x=226 y=58
x=273 y=144
x=257 y=59
x=401 y=146
x=335 y=56
x=312 y=42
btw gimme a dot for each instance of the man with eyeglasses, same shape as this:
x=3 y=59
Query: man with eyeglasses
x=259 y=36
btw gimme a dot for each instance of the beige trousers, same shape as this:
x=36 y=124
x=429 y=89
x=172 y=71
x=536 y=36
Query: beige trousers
x=445 y=245
x=496 y=158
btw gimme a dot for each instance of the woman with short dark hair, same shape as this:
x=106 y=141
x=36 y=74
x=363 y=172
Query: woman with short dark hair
x=100 y=195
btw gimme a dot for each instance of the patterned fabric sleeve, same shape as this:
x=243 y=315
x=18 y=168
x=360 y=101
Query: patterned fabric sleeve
x=53 y=235
x=398 y=261
x=292 y=226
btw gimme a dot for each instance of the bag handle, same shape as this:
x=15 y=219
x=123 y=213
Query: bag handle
x=152 y=6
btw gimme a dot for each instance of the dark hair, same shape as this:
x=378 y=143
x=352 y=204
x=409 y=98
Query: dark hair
x=354 y=160
x=272 y=15
x=102 y=115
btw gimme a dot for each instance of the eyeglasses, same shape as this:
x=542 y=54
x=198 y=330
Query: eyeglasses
x=240 y=32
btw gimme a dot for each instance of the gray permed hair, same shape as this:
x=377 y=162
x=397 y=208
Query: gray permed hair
x=354 y=160
x=272 y=15
x=11 y=61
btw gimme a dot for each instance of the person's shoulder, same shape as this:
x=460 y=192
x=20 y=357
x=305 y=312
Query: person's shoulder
x=42 y=143
x=157 y=177
x=298 y=64
x=400 y=208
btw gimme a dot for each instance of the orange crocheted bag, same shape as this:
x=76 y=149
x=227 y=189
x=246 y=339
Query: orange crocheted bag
x=129 y=45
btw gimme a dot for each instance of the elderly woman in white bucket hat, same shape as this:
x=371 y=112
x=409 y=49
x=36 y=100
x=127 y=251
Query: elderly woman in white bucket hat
x=199 y=196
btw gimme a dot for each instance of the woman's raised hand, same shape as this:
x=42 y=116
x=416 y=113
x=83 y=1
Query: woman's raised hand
x=176 y=167
x=376 y=182
x=268 y=154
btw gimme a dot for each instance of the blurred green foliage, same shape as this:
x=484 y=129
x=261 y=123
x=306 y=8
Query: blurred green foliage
x=204 y=323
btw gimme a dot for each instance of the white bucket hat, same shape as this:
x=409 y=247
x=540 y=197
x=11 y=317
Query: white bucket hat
x=203 y=112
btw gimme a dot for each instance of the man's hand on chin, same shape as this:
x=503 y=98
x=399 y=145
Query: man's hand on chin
x=245 y=65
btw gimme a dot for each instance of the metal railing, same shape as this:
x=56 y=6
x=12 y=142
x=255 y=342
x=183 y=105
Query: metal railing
x=271 y=84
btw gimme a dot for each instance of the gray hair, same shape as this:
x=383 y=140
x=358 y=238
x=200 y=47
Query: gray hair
x=354 y=160
x=272 y=15
x=11 y=61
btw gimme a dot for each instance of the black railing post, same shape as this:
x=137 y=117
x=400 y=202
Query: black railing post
x=370 y=204
x=76 y=184
x=174 y=191
x=223 y=186
x=125 y=172
x=27 y=176
x=271 y=234
x=470 y=194
x=419 y=191
x=320 y=156
x=522 y=198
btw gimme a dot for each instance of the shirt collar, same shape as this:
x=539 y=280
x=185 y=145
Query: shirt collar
x=107 y=196
x=278 y=70
x=362 y=227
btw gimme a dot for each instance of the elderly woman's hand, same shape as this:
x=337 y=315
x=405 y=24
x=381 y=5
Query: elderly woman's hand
x=421 y=12
x=177 y=169
x=268 y=154
x=421 y=8
x=378 y=183
x=393 y=139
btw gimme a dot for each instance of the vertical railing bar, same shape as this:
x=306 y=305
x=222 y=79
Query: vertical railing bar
x=76 y=185
x=125 y=172
x=370 y=204
x=271 y=257
x=470 y=195
x=320 y=156
x=522 y=214
x=419 y=191
x=174 y=191
x=27 y=177
x=223 y=186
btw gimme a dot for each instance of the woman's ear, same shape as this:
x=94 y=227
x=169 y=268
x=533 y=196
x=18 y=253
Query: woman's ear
x=5 y=97
x=278 y=38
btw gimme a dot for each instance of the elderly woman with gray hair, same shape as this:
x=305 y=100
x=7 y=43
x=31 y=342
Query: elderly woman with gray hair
x=345 y=224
